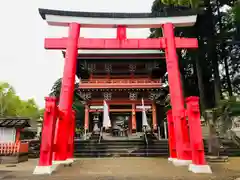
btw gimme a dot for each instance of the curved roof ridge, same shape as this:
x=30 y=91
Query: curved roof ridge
x=163 y=12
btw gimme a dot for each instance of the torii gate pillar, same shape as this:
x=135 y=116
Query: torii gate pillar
x=66 y=95
x=177 y=100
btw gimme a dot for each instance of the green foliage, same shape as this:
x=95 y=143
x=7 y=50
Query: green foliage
x=77 y=100
x=12 y=105
x=217 y=30
x=236 y=11
x=188 y=3
x=231 y=105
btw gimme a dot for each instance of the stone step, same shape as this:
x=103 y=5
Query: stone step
x=124 y=147
x=109 y=154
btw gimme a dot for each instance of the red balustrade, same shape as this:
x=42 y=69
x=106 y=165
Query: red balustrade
x=119 y=83
x=7 y=149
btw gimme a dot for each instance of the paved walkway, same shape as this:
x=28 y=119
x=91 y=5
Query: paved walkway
x=122 y=169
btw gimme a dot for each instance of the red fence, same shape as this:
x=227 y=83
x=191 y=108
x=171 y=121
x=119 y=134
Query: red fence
x=13 y=148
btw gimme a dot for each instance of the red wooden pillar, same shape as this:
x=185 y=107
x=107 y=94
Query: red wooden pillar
x=177 y=100
x=18 y=135
x=154 y=116
x=66 y=95
x=86 y=117
x=121 y=32
x=198 y=157
x=171 y=137
x=134 y=125
x=71 y=138
x=46 y=149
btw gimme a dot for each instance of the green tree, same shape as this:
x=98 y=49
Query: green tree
x=77 y=100
x=12 y=105
x=7 y=100
x=29 y=109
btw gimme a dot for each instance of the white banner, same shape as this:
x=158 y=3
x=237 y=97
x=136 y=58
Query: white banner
x=106 y=118
x=144 y=116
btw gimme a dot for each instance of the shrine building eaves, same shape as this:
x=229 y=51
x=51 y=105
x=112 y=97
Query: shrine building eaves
x=119 y=54
x=179 y=17
x=14 y=122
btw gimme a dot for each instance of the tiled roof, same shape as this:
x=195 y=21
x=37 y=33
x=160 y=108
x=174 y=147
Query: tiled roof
x=16 y=122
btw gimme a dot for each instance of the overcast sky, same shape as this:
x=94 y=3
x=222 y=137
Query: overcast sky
x=24 y=62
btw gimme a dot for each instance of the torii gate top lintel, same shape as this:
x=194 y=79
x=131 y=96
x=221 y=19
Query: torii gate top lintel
x=111 y=20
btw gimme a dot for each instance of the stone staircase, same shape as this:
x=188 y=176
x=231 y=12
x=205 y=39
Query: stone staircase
x=134 y=146
x=130 y=148
x=121 y=148
x=137 y=148
x=230 y=145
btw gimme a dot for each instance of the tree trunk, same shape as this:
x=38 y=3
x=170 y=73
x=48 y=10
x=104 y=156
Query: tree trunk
x=212 y=56
x=223 y=54
x=229 y=87
x=200 y=79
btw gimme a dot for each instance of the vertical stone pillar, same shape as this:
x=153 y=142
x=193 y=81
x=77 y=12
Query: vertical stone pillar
x=70 y=156
x=198 y=157
x=86 y=117
x=154 y=116
x=121 y=32
x=171 y=137
x=46 y=149
x=66 y=95
x=134 y=125
x=177 y=100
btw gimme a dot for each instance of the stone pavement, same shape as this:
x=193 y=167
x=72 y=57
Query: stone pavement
x=133 y=168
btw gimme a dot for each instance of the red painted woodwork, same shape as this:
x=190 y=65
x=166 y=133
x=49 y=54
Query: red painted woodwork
x=122 y=78
x=119 y=86
x=115 y=110
x=18 y=134
x=171 y=136
x=154 y=116
x=119 y=102
x=193 y=113
x=177 y=101
x=86 y=117
x=72 y=123
x=66 y=95
x=121 y=33
x=134 y=123
x=93 y=43
x=49 y=122
x=119 y=83
x=119 y=56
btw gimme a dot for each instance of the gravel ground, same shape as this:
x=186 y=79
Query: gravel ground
x=122 y=169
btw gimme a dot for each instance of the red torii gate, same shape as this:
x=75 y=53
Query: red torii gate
x=187 y=151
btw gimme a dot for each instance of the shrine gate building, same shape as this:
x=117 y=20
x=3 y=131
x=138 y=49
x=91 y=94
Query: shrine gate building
x=121 y=71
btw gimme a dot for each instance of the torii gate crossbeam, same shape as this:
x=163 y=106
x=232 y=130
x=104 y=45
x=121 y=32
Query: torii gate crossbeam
x=100 y=43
